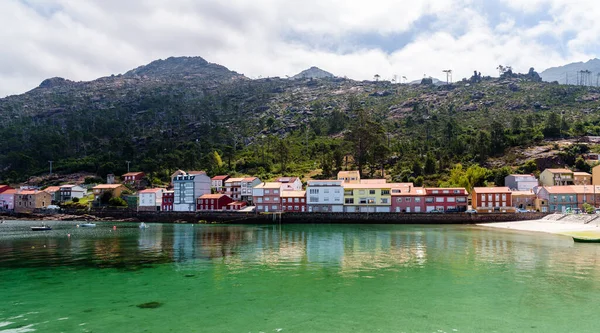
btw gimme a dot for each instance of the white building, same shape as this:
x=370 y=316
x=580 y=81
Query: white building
x=246 y=186
x=150 y=200
x=187 y=188
x=325 y=196
x=68 y=192
x=520 y=182
x=217 y=183
x=290 y=183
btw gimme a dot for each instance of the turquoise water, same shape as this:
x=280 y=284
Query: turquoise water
x=295 y=278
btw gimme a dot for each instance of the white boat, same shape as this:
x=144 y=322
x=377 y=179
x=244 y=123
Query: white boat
x=42 y=228
x=87 y=225
x=143 y=225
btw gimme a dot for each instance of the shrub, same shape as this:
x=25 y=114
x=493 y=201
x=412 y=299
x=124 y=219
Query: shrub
x=118 y=202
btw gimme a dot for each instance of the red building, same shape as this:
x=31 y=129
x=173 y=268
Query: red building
x=444 y=199
x=213 y=202
x=237 y=205
x=133 y=177
x=5 y=188
x=408 y=199
x=491 y=197
x=167 y=201
x=293 y=201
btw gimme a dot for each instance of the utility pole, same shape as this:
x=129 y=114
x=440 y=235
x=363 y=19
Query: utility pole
x=50 y=167
x=448 y=76
x=128 y=162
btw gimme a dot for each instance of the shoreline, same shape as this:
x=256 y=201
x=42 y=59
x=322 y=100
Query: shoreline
x=567 y=228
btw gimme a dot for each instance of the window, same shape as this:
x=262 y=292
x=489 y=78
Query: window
x=276 y=192
x=326 y=191
x=348 y=192
x=283 y=200
x=489 y=197
x=451 y=199
x=274 y=207
x=296 y=208
x=267 y=199
x=417 y=199
x=435 y=192
x=349 y=201
x=361 y=192
x=399 y=200
x=407 y=199
x=439 y=199
x=336 y=191
x=295 y=200
x=446 y=192
x=384 y=200
x=371 y=201
x=326 y=199
x=362 y=201
x=314 y=191
x=456 y=191
x=371 y=191
x=260 y=207
x=289 y=207
x=259 y=199
x=385 y=192
x=267 y=191
x=428 y=200
x=483 y=197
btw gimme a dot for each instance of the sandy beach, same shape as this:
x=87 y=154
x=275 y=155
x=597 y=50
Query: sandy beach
x=574 y=226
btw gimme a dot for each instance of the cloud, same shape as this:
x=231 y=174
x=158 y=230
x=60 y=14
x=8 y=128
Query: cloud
x=83 y=40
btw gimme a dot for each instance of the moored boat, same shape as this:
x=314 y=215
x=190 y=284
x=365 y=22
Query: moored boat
x=41 y=228
x=585 y=240
x=87 y=225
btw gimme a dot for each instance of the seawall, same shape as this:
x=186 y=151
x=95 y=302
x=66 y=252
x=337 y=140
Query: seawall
x=287 y=218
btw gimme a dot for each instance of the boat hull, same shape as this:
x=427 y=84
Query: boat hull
x=586 y=240
x=87 y=225
x=40 y=228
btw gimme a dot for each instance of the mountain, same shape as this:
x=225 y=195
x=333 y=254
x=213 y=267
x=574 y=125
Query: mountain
x=435 y=81
x=313 y=73
x=571 y=73
x=187 y=113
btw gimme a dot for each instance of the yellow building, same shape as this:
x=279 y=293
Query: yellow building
x=116 y=190
x=556 y=177
x=596 y=175
x=367 y=198
x=582 y=178
x=349 y=177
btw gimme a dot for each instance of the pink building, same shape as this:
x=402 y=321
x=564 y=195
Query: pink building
x=236 y=205
x=444 y=199
x=266 y=197
x=7 y=199
x=290 y=183
x=293 y=201
x=233 y=188
x=408 y=200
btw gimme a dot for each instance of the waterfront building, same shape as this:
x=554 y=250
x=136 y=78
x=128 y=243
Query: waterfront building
x=151 y=199
x=233 y=188
x=408 y=199
x=371 y=198
x=213 y=202
x=217 y=183
x=559 y=198
x=349 y=177
x=524 y=199
x=293 y=201
x=521 y=182
x=247 y=184
x=587 y=194
x=325 y=196
x=28 y=200
x=167 y=201
x=491 y=198
x=68 y=192
x=7 y=199
x=115 y=189
x=582 y=178
x=290 y=183
x=54 y=192
x=236 y=205
x=443 y=199
x=267 y=197
x=188 y=187
x=133 y=178
x=556 y=177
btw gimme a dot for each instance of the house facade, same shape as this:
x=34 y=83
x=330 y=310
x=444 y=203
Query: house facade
x=28 y=200
x=167 y=201
x=293 y=201
x=150 y=200
x=267 y=197
x=521 y=182
x=116 y=189
x=187 y=188
x=556 y=177
x=371 y=198
x=54 y=192
x=236 y=205
x=68 y=192
x=233 y=188
x=587 y=194
x=7 y=199
x=408 y=200
x=491 y=198
x=596 y=175
x=213 y=202
x=443 y=199
x=325 y=196
x=349 y=177
x=524 y=199
x=559 y=198
x=247 y=184
x=290 y=183
x=217 y=183
x=133 y=177
x=582 y=178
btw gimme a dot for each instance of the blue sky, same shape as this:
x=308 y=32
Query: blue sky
x=84 y=40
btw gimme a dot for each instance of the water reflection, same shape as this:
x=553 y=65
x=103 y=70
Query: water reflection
x=352 y=249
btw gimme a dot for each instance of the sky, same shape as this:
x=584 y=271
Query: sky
x=82 y=40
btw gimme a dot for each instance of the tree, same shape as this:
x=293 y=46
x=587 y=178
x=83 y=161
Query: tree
x=552 y=125
x=498 y=138
x=516 y=124
x=283 y=151
x=501 y=174
x=365 y=135
x=376 y=77
x=417 y=169
x=216 y=163
x=117 y=202
x=483 y=144
x=430 y=165
x=105 y=197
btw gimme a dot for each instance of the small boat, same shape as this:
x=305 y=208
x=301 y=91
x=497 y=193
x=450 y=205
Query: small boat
x=87 y=225
x=586 y=240
x=42 y=228
x=143 y=225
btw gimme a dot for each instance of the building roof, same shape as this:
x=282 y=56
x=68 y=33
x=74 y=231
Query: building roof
x=30 y=192
x=578 y=173
x=236 y=203
x=445 y=188
x=269 y=185
x=367 y=186
x=249 y=179
x=287 y=179
x=412 y=192
x=373 y=181
x=399 y=185
x=559 y=170
x=152 y=190
x=325 y=182
x=168 y=192
x=560 y=189
x=522 y=175
x=222 y=177
x=191 y=173
x=523 y=193
x=212 y=196
x=293 y=194
x=106 y=186
x=4 y=188
x=585 y=189
x=349 y=174
x=492 y=190
x=232 y=180
x=133 y=174
x=52 y=189
x=9 y=191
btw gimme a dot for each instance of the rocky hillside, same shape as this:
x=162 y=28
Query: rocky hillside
x=176 y=113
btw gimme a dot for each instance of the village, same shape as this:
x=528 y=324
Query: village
x=556 y=190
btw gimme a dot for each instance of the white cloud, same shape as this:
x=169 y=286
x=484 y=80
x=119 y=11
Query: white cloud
x=83 y=40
